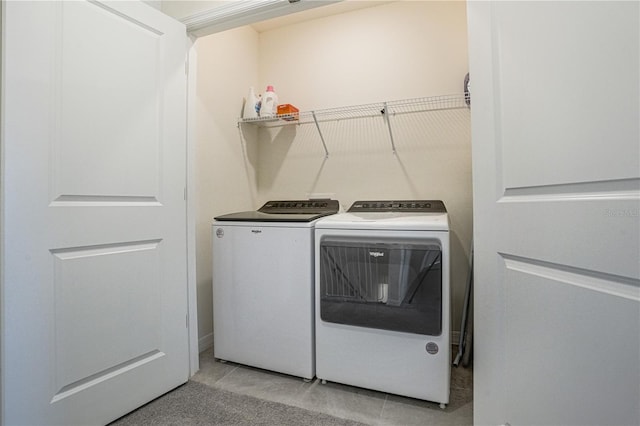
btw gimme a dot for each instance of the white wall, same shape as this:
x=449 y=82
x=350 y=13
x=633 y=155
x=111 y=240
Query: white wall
x=225 y=178
x=393 y=51
x=398 y=50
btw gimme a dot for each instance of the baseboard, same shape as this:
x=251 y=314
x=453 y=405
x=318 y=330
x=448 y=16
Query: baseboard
x=205 y=342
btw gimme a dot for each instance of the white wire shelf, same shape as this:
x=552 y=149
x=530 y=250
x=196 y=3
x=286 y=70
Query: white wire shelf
x=384 y=110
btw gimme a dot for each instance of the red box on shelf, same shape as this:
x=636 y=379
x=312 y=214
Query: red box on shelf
x=288 y=112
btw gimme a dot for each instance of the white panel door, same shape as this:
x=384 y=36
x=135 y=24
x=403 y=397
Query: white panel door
x=94 y=299
x=556 y=158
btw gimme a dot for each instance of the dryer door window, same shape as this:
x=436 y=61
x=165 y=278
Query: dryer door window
x=386 y=285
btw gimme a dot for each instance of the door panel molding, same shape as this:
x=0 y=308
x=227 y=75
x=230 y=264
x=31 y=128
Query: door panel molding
x=613 y=285
x=105 y=375
x=104 y=249
x=585 y=233
x=618 y=189
x=104 y=200
x=566 y=347
x=96 y=88
x=546 y=118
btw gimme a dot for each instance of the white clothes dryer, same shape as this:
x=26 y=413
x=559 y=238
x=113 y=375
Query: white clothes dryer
x=382 y=298
x=263 y=286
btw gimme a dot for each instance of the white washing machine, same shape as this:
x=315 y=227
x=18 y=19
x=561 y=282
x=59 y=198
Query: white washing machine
x=263 y=286
x=382 y=298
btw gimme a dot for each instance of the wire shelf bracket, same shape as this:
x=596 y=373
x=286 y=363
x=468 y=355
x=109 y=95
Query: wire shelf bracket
x=324 y=144
x=385 y=113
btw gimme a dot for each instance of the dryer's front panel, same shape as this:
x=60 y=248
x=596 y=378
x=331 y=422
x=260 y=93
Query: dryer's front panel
x=389 y=284
x=382 y=310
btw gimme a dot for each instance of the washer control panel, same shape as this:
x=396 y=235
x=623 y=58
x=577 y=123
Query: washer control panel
x=300 y=206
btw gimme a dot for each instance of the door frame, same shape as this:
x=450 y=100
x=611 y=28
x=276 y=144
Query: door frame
x=191 y=66
x=2 y=248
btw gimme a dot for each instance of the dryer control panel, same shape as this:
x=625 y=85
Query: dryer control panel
x=406 y=206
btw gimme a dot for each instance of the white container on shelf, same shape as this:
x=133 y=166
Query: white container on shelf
x=250 y=110
x=269 y=106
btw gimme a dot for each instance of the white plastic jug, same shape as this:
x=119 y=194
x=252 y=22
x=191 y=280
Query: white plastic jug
x=250 y=110
x=269 y=107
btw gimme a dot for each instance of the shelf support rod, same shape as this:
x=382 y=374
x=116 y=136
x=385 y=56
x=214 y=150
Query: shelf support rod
x=315 y=120
x=385 y=112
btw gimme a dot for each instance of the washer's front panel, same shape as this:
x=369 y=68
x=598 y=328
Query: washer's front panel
x=263 y=297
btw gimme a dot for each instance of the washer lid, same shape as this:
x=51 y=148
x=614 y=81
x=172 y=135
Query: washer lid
x=285 y=211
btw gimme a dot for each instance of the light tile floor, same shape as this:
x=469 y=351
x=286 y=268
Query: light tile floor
x=363 y=405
